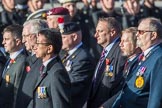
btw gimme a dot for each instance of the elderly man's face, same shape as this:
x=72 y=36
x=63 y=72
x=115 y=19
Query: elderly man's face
x=52 y=20
x=67 y=42
x=144 y=35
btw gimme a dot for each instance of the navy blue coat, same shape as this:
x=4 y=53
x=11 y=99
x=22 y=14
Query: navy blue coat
x=149 y=95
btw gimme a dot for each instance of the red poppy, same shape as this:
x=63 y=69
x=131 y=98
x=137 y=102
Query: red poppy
x=28 y=68
x=107 y=61
x=60 y=20
x=12 y=61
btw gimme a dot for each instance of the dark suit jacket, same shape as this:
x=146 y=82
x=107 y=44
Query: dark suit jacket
x=57 y=84
x=81 y=73
x=149 y=95
x=107 y=86
x=8 y=92
x=2 y=64
x=126 y=73
x=28 y=82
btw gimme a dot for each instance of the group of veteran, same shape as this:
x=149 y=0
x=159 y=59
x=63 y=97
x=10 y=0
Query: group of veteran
x=48 y=64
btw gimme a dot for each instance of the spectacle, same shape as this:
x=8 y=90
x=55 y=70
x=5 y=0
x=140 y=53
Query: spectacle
x=141 y=32
x=42 y=44
x=28 y=35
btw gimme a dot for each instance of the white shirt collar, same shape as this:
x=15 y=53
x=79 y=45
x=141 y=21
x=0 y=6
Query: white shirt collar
x=132 y=58
x=46 y=62
x=108 y=48
x=75 y=48
x=15 y=54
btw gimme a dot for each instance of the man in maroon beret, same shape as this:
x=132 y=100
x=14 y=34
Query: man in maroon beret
x=54 y=14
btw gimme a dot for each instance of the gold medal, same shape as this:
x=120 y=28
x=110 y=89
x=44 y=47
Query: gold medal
x=42 y=93
x=139 y=82
x=7 y=78
x=39 y=92
x=108 y=73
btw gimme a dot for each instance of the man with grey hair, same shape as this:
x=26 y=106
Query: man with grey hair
x=30 y=30
x=143 y=88
x=78 y=63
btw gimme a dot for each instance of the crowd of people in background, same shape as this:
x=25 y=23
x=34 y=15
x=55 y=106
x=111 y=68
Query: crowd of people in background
x=67 y=57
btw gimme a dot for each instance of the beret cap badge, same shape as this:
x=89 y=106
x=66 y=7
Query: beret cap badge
x=61 y=24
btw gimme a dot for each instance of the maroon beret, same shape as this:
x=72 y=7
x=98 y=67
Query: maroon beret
x=58 y=11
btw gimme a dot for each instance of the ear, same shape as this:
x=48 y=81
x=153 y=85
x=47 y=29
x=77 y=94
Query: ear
x=18 y=42
x=113 y=32
x=154 y=35
x=50 y=49
x=74 y=36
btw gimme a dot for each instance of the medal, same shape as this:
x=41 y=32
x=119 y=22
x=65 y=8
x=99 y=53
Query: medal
x=42 y=92
x=68 y=65
x=141 y=71
x=7 y=78
x=109 y=71
x=139 y=82
x=38 y=90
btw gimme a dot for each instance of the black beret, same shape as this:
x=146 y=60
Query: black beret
x=70 y=28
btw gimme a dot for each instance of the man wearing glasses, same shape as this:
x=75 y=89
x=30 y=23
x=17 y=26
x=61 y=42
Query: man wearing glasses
x=143 y=88
x=53 y=87
x=30 y=31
